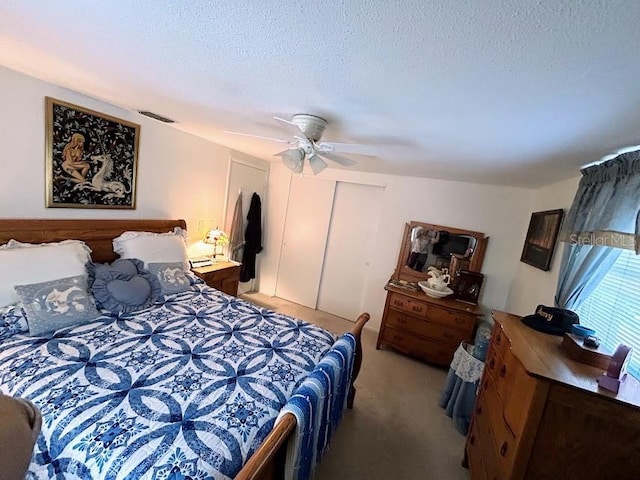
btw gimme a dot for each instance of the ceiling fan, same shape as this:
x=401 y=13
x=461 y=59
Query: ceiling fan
x=307 y=130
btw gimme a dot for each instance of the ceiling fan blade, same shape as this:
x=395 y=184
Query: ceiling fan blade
x=354 y=148
x=316 y=163
x=340 y=159
x=292 y=127
x=284 y=120
x=279 y=140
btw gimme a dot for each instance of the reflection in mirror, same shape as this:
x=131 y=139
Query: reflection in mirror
x=431 y=247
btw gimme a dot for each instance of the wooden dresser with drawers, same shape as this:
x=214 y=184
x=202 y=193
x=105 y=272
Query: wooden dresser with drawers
x=427 y=328
x=540 y=415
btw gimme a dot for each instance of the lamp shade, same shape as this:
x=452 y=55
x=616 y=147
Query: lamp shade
x=316 y=163
x=293 y=159
x=216 y=237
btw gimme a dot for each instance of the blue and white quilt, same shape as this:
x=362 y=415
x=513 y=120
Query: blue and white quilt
x=186 y=389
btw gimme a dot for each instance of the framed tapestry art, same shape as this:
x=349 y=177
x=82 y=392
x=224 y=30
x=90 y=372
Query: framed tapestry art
x=91 y=158
x=541 y=238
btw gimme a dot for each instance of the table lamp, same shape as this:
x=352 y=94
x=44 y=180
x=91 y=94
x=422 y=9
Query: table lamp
x=216 y=237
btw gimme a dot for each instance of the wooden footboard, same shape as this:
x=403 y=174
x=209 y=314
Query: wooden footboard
x=267 y=463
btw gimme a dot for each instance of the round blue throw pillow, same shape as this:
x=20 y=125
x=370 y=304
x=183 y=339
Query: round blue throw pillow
x=123 y=286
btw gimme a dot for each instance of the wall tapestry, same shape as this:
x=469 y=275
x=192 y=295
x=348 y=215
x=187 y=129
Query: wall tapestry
x=91 y=158
x=541 y=238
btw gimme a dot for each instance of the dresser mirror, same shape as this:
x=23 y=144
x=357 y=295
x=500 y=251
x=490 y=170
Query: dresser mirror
x=427 y=245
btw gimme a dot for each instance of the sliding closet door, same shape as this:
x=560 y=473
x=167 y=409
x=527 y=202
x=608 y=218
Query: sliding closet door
x=352 y=233
x=304 y=240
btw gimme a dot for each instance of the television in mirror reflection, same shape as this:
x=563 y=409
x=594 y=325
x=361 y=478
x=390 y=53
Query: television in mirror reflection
x=433 y=247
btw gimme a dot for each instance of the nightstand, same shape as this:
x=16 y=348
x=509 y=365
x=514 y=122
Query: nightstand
x=223 y=276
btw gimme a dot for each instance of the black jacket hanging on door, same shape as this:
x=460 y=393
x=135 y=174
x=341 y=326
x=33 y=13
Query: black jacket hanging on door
x=253 y=239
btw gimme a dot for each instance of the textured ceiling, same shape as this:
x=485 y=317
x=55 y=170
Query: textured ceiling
x=501 y=92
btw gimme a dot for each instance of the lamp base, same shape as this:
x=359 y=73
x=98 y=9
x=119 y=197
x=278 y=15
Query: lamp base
x=218 y=258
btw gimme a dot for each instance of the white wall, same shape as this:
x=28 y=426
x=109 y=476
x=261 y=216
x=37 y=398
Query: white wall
x=532 y=286
x=502 y=213
x=182 y=176
x=179 y=175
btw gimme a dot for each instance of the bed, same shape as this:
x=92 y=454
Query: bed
x=189 y=387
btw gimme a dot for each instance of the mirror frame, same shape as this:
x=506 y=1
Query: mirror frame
x=403 y=272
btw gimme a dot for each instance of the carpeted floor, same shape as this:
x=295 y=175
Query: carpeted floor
x=396 y=430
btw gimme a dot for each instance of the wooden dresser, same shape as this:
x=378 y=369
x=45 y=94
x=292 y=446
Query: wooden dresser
x=540 y=415
x=223 y=276
x=423 y=327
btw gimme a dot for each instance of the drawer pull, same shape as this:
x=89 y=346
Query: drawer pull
x=485 y=385
x=503 y=449
x=399 y=303
x=503 y=371
x=402 y=320
x=472 y=439
x=498 y=339
x=416 y=308
x=478 y=410
x=492 y=363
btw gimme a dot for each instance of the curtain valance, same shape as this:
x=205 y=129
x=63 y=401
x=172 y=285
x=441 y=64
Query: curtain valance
x=606 y=208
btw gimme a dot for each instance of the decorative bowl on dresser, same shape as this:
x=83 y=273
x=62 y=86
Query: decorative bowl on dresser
x=540 y=415
x=419 y=325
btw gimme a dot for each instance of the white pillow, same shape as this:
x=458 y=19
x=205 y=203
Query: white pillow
x=153 y=247
x=25 y=263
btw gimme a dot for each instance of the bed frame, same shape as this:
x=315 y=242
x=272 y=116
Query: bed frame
x=269 y=460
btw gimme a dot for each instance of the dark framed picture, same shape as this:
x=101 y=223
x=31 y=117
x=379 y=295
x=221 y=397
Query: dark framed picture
x=467 y=286
x=541 y=238
x=91 y=158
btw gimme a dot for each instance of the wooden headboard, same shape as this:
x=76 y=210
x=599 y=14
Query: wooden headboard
x=98 y=234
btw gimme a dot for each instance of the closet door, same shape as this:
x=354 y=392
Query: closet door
x=352 y=235
x=304 y=241
x=248 y=179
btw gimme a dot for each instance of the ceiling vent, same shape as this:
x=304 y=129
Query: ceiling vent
x=155 y=116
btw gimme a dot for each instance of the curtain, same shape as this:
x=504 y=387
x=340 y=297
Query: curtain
x=605 y=210
x=581 y=269
x=604 y=217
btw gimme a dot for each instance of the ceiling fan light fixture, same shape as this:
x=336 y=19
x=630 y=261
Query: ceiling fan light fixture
x=316 y=163
x=293 y=159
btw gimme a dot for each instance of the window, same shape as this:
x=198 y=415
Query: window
x=613 y=309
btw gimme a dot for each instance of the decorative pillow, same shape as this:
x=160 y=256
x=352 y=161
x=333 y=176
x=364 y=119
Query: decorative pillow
x=12 y=321
x=153 y=247
x=25 y=264
x=56 y=304
x=123 y=286
x=171 y=276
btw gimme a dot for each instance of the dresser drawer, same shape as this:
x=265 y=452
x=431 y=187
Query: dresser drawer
x=409 y=305
x=474 y=453
x=485 y=437
x=499 y=340
x=410 y=343
x=504 y=442
x=425 y=328
x=451 y=318
x=517 y=389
